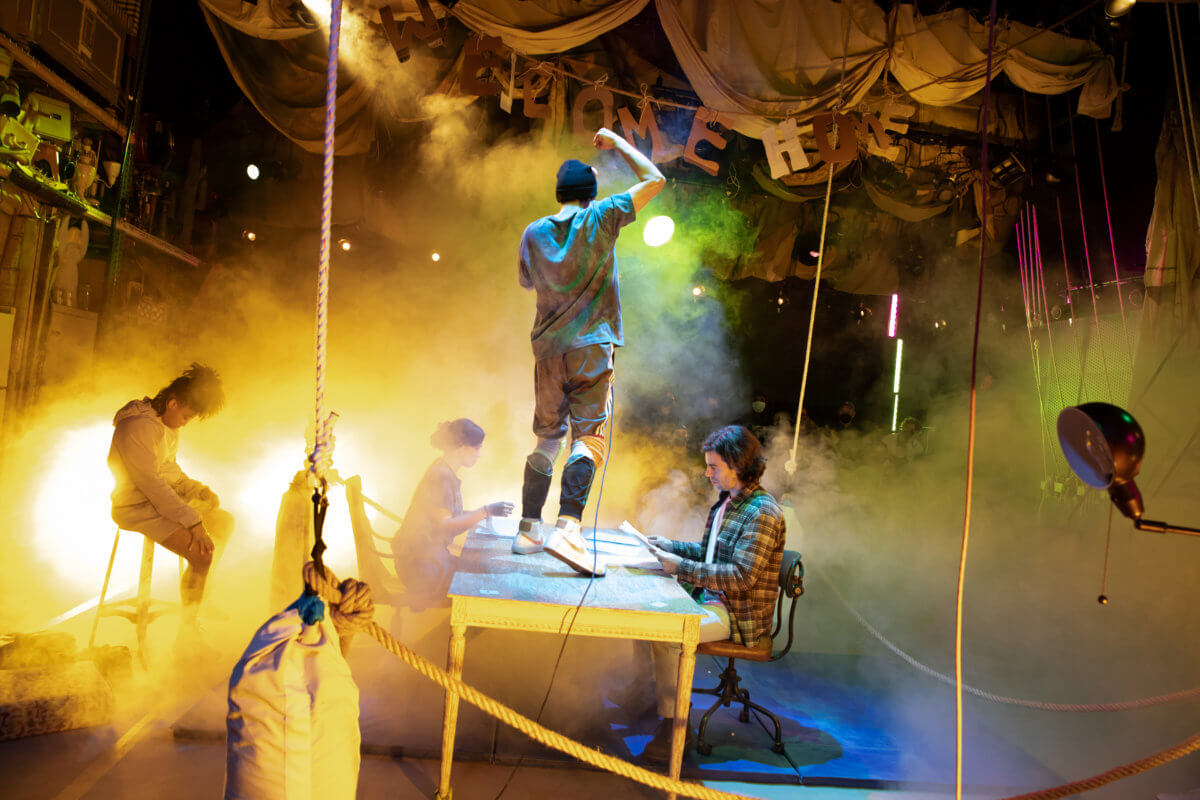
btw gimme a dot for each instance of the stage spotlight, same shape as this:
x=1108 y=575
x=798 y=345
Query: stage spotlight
x=436 y=256
x=344 y=244
x=249 y=235
x=1118 y=8
x=940 y=324
x=252 y=171
x=699 y=290
x=860 y=312
x=658 y=231
x=1104 y=445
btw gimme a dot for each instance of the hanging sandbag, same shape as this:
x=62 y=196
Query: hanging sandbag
x=292 y=727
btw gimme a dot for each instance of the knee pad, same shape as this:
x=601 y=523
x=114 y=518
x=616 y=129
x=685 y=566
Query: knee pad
x=542 y=459
x=593 y=448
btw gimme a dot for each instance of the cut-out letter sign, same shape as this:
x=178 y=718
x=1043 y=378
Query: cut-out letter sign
x=780 y=140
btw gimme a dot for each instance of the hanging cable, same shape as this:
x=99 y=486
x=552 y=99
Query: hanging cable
x=1187 y=120
x=1041 y=278
x=1087 y=260
x=1062 y=240
x=1027 y=292
x=966 y=535
x=1112 y=243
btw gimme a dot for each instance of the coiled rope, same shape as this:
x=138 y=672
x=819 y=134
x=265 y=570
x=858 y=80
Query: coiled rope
x=351 y=609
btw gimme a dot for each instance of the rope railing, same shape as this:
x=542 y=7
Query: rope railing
x=351 y=610
x=1126 y=705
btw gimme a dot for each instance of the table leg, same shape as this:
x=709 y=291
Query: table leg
x=454 y=663
x=683 y=705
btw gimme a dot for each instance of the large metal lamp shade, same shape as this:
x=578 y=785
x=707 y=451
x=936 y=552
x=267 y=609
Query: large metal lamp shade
x=1104 y=445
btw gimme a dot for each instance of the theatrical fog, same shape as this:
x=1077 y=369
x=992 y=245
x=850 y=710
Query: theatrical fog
x=599 y=398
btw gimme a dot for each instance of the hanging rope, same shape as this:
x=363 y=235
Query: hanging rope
x=320 y=458
x=351 y=610
x=790 y=466
x=966 y=533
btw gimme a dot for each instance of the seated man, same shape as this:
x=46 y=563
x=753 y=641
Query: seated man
x=735 y=568
x=154 y=497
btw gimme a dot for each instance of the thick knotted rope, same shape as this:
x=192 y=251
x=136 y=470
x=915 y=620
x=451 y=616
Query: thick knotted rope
x=350 y=605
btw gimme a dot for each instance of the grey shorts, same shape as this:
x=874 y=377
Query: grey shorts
x=144 y=518
x=576 y=385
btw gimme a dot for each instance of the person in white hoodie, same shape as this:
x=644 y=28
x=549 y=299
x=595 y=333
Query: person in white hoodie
x=153 y=496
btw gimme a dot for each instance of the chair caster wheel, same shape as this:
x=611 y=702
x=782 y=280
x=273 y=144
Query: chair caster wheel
x=704 y=748
x=744 y=716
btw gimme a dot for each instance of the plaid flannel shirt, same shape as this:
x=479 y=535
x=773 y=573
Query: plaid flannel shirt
x=746 y=563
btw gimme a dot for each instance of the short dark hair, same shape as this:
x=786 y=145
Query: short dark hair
x=199 y=388
x=740 y=449
x=457 y=433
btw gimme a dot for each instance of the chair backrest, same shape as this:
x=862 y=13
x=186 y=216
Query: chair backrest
x=370 y=563
x=791 y=586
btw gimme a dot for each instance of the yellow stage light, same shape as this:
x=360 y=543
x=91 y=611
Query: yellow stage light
x=658 y=231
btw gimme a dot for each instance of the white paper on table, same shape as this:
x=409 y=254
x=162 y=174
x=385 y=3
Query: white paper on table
x=501 y=526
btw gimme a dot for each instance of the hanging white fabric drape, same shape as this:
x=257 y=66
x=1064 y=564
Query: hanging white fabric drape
x=546 y=26
x=757 y=63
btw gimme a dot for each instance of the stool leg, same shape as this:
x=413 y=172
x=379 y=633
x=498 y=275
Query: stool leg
x=143 y=600
x=104 y=590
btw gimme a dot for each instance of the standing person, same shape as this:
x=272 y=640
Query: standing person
x=435 y=515
x=154 y=497
x=734 y=568
x=568 y=259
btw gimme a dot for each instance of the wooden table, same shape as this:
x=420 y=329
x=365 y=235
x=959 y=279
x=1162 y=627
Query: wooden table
x=494 y=588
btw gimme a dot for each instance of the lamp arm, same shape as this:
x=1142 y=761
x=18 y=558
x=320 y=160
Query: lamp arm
x=1154 y=526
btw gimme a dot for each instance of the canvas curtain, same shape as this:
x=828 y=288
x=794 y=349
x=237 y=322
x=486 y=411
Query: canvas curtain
x=758 y=63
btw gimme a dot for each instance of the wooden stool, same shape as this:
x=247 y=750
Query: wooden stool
x=140 y=610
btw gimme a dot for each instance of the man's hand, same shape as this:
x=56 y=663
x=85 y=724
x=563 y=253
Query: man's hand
x=661 y=542
x=500 y=508
x=605 y=139
x=670 y=562
x=207 y=495
x=201 y=541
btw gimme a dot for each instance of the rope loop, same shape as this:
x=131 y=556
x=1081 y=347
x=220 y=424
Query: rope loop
x=351 y=606
x=646 y=98
x=600 y=82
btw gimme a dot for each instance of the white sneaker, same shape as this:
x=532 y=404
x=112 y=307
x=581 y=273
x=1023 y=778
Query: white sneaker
x=529 y=539
x=566 y=544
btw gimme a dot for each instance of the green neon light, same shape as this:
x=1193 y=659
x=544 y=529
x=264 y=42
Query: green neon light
x=896 y=378
x=895 y=410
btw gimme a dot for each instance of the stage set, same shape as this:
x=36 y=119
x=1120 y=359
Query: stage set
x=830 y=491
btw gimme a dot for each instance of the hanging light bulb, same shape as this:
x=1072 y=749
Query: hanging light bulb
x=252 y=171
